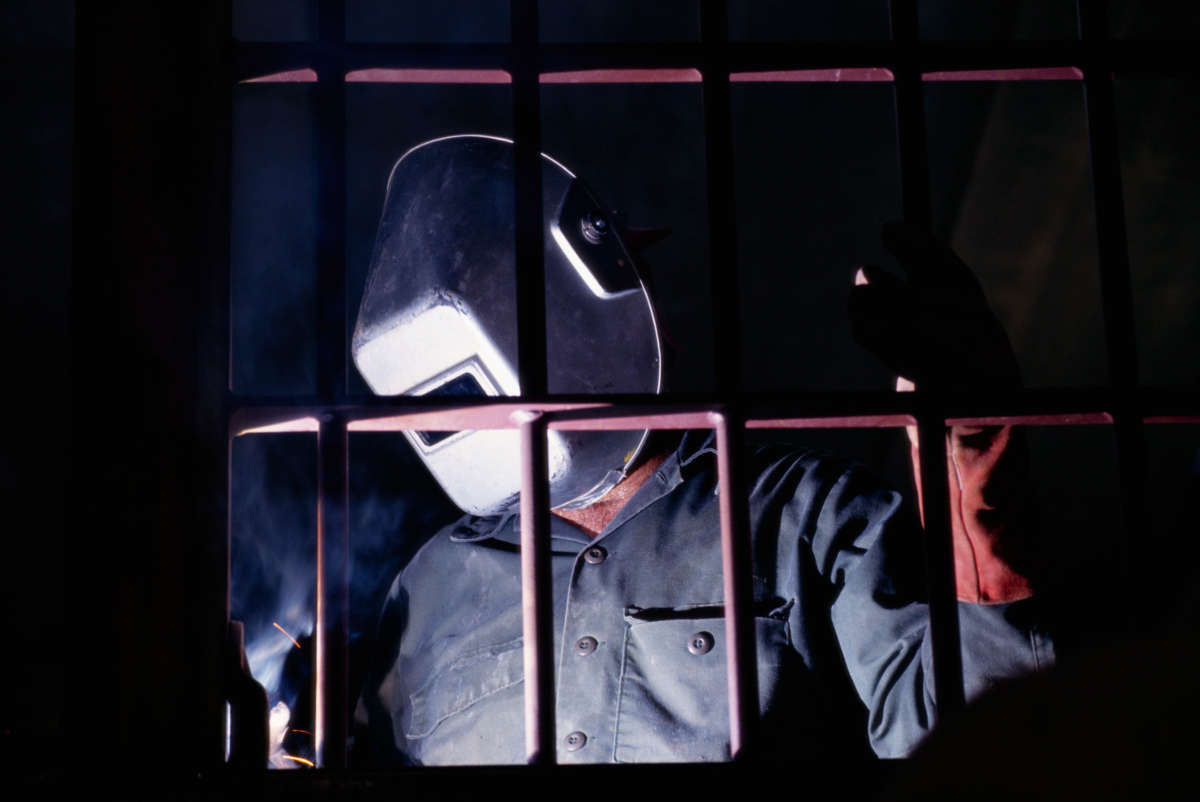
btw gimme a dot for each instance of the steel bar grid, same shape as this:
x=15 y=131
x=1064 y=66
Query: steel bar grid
x=332 y=413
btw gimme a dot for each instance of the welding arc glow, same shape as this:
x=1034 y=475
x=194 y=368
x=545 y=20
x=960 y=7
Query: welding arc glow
x=285 y=632
x=303 y=760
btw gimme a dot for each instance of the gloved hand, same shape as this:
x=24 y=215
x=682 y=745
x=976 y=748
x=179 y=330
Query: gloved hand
x=937 y=330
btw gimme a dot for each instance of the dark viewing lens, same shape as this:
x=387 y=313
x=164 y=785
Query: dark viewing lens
x=462 y=385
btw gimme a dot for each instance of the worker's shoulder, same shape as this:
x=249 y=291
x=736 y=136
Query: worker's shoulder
x=782 y=460
x=445 y=548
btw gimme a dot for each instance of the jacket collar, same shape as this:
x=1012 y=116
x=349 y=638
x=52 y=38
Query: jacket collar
x=683 y=462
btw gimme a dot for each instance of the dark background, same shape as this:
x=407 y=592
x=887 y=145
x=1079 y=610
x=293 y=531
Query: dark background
x=121 y=169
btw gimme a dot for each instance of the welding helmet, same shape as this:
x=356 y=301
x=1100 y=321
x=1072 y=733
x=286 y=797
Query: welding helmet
x=438 y=316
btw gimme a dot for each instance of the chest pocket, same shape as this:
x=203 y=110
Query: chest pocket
x=674 y=701
x=463 y=683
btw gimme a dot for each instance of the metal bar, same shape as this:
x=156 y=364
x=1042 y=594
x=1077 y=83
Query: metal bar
x=332 y=627
x=939 y=567
x=826 y=403
x=722 y=255
x=537 y=603
x=331 y=630
x=457 y=414
x=527 y=164
x=610 y=418
x=1115 y=285
x=741 y=658
x=257 y=58
x=931 y=429
x=331 y=229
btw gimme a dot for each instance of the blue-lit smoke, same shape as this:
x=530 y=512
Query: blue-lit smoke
x=394 y=507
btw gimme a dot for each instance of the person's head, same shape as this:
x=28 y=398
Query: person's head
x=438 y=315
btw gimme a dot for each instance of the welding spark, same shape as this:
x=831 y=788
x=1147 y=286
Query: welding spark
x=306 y=732
x=303 y=760
x=285 y=632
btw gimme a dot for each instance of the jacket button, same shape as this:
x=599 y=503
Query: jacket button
x=575 y=741
x=700 y=643
x=586 y=645
x=595 y=555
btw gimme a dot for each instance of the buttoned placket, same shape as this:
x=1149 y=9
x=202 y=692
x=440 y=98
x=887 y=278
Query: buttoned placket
x=590 y=666
x=589 y=674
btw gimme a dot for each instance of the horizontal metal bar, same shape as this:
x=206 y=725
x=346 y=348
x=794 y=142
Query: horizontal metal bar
x=384 y=75
x=1081 y=419
x=1007 y=74
x=833 y=75
x=447 y=417
x=805 y=410
x=837 y=422
x=659 y=75
x=258 y=58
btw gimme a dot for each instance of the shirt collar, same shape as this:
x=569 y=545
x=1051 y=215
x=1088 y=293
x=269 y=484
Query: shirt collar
x=683 y=462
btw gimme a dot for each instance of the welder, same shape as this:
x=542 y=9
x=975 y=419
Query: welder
x=839 y=600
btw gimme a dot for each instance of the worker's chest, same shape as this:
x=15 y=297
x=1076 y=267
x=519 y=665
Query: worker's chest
x=639 y=639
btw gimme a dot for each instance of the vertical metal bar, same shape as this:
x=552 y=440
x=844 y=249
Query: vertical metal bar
x=330 y=720
x=331 y=206
x=331 y=630
x=527 y=164
x=939 y=555
x=1115 y=283
x=536 y=597
x=910 y=116
x=939 y=566
x=741 y=658
x=218 y=338
x=722 y=248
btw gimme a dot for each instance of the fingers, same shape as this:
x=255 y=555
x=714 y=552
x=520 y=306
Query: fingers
x=927 y=336
x=936 y=328
x=873 y=274
x=880 y=322
x=927 y=260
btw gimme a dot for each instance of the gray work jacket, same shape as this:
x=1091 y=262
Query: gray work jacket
x=640 y=640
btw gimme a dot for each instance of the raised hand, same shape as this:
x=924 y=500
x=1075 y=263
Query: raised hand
x=935 y=328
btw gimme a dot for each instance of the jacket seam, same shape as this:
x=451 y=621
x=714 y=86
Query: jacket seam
x=620 y=691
